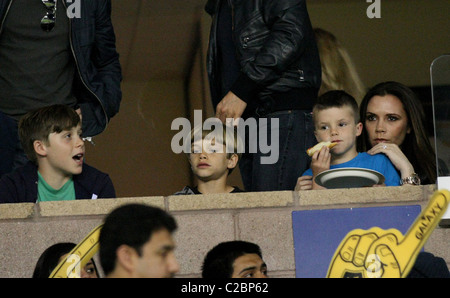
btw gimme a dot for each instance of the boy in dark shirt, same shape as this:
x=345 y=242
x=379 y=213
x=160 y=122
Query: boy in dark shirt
x=213 y=155
x=51 y=138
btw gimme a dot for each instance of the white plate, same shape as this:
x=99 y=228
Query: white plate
x=349 y=178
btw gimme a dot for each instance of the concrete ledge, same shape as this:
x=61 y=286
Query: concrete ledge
x=230 y=201
x=345 y=196
x=16 y=211
x=92 y=207
x=319 y=198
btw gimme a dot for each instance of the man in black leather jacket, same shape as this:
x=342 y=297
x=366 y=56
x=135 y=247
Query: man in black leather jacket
x=74 y=63
x=263 y=62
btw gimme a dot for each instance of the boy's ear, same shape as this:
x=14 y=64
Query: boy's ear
x=359 y=128
x=233 y=160
x=40 y=148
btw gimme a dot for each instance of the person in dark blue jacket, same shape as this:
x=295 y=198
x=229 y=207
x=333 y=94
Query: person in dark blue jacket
x=51 y=138
x=56 y=52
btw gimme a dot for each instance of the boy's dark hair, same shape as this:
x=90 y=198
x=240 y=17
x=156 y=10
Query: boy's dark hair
x=219 y=260
x=37 y=125
x=336 y=99
x=132 y=225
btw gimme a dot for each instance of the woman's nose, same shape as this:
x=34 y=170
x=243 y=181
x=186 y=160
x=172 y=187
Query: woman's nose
x=380 y=127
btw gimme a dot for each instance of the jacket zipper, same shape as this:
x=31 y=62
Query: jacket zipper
x=230 y=2
x=251 y=38
x=232 y=15
x=78 y=67
x=4 y=17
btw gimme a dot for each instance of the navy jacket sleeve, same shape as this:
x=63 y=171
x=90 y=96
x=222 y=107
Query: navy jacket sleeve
x=106 y=60
x=19 y=186
x=8 y=190
x=106 y=189
x=92 y=183
x=94 y=45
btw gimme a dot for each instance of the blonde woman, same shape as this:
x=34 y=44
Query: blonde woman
x=338 y=70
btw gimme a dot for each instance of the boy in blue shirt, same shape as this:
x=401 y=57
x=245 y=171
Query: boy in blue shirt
x=51 y=139
x=336 y=119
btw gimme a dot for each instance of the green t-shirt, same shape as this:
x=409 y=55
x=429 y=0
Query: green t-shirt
x=47 y=193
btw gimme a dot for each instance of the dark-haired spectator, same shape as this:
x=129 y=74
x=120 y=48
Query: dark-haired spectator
x=394 y=124
x=56 y=171
x=55 y=254
x=136 y=241
x=234 y=259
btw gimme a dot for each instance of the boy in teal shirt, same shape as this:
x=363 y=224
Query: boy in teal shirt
x=51 y=139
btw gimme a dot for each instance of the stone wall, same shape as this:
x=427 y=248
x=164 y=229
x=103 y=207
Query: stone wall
x=26 y=230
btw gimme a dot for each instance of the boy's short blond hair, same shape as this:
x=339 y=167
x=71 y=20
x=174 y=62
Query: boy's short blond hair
x=336 y=99
x=37 y=125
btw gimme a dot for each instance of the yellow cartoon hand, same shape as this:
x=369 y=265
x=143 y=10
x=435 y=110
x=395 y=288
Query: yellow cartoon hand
x=353 y=260
x=387 y=253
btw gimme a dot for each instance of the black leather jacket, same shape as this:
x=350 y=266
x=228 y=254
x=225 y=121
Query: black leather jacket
x=97 y=83
x=277 y=52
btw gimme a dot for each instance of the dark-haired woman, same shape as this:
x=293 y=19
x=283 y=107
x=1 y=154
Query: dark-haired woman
x=394 y=124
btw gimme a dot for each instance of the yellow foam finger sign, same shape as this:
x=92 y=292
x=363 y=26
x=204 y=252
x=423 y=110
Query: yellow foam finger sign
x=406 y=248
x=79 y=256
x=387 y=253
x=383 y=251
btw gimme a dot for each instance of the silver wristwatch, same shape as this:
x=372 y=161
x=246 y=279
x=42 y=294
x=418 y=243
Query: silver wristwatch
x=413 y=180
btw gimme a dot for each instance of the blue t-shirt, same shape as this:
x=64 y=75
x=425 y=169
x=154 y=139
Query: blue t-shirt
x=378 y=162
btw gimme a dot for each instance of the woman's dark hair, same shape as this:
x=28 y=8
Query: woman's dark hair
x=49 y=259
x=416 y=146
